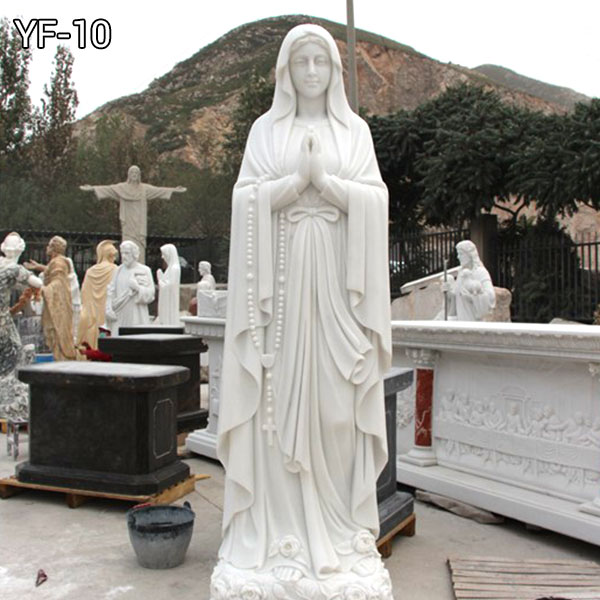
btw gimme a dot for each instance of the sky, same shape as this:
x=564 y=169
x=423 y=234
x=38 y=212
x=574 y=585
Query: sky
x=550 y=40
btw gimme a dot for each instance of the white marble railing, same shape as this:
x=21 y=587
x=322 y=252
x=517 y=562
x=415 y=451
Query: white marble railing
x=505 y=416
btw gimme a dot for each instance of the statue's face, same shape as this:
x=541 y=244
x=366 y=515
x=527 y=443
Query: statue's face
x=127 y=257
x=50 y=250
x=310 y=70
x=463 y=257
x=134 y=175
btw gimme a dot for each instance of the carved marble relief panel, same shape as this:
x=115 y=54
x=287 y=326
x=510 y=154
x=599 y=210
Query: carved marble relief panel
x=533 y=422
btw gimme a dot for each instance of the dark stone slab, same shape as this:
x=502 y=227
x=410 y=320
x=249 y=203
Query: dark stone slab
x=393 y=510
x=103 y=426
x=118 y=376
x=151 y=328
x=393 y=506
x=166 y=349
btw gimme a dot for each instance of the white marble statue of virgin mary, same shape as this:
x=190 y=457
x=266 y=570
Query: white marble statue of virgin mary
x=301 y=425
x=168 y=286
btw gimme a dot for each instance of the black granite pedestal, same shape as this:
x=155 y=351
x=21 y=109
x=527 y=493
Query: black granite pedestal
x=106 y=427
x=394 y=506
x=151 y=328
x=166 y=349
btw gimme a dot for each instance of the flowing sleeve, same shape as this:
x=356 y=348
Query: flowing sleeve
x=250 y=284
x=158 y=193
x=23 y=274
x=106 y=191
x=367 y=281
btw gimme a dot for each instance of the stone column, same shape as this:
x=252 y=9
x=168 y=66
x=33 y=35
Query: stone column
x=422 y=453
x=593 y=507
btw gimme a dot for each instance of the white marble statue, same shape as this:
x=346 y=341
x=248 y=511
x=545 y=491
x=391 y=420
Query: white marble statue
x=301 y=424
x=130 y=291
x=133 y=196
x=471 y=295
x=14 y=395
x=207 y=281
x=168 y=286
x=210 y=302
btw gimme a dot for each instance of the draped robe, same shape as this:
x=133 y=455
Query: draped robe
x=302 y=426
x=93 y=299
x=168 y=287
x=57 y=313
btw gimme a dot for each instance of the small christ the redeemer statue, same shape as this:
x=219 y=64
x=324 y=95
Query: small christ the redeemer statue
x=133 y=196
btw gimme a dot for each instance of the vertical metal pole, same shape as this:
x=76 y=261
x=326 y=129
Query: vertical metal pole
x=351 y=37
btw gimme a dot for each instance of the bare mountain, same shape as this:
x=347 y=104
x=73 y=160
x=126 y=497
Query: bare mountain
x=554 y=94
x=186 y=112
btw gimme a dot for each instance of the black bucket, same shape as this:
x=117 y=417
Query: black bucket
x=160 y=535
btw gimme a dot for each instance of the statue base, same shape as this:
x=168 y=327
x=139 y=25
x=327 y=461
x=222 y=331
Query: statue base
x=229 y=582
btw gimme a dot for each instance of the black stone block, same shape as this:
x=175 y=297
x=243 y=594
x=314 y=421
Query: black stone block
x=151 y=328
x=103 y=426
x=166 y=349
x=393 y=506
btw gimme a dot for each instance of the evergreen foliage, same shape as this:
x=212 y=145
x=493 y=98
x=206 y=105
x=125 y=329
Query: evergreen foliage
x=15 y=104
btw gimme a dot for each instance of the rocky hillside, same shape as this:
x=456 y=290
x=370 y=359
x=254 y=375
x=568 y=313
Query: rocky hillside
x=562 y=96
x=185 y=113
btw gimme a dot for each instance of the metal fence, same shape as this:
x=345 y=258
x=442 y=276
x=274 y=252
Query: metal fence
x=548 y=278
x=553 y=278
x=81 y=248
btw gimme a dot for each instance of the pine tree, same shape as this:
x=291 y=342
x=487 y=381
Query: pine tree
x=15 y=104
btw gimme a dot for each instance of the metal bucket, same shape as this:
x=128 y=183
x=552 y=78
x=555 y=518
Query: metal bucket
x=160 y=535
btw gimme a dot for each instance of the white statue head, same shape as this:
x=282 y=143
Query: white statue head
x=12 y=247
x=310 y=66
x=134 y=175
x=129 y=253
x=169 y=254
x=467 y=254
x=204 y=267
x=315 y=41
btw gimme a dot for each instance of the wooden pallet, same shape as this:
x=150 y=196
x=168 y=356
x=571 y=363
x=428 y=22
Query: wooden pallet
x=406 y=527
x=506 y=579
x=11 y=486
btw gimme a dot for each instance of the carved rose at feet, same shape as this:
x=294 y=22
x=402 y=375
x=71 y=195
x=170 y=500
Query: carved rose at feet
x=364 y=543
x=251 y=591
x=289 y=546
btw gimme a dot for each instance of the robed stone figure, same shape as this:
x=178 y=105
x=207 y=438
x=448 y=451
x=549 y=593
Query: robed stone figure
x=133 y=196
x=302 y=430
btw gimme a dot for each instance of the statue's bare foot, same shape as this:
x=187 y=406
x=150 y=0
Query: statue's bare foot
x=366 y=566
x=287 y=573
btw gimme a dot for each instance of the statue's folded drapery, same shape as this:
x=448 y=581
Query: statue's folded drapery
x=310 y=448
x=57 y=314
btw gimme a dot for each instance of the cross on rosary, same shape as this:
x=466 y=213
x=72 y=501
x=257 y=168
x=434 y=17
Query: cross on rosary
x=270 y=428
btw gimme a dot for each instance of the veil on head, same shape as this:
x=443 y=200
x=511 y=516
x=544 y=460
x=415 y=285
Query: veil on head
x=170 y=253
x=284 y=99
